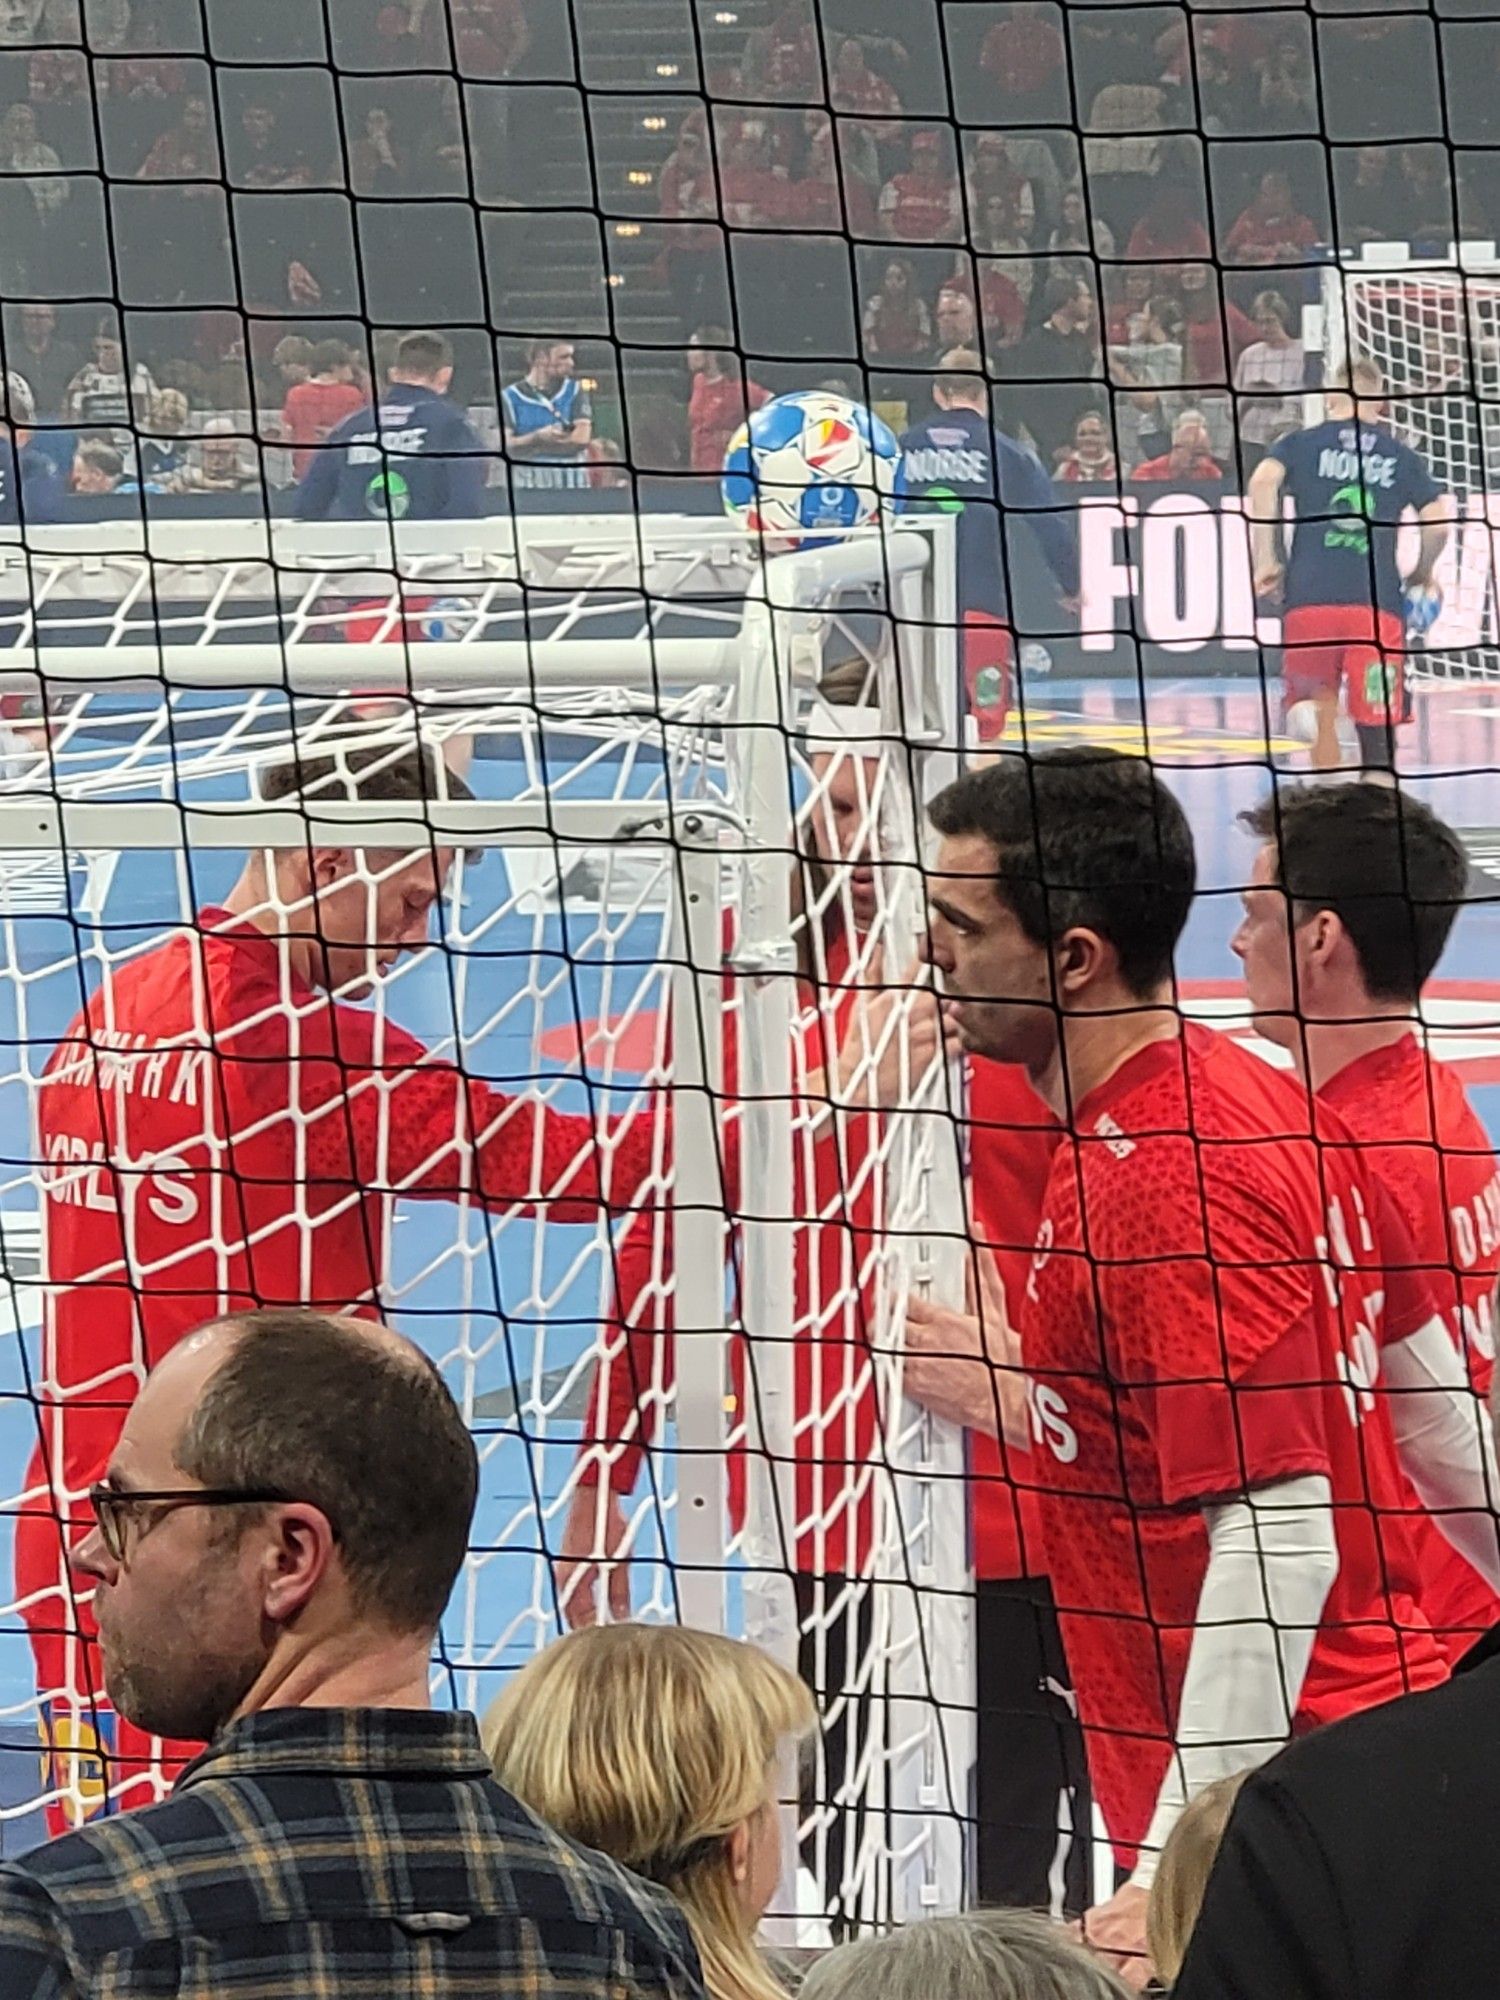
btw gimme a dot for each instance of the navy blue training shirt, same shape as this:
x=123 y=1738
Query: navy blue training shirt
x=415 y=458
x=1350 y=484
x=959 y=462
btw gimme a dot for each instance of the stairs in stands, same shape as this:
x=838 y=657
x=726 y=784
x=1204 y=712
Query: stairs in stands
x=578 y=255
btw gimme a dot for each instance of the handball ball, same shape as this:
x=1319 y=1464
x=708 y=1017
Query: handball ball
x=1421 y=607
x=808 y=464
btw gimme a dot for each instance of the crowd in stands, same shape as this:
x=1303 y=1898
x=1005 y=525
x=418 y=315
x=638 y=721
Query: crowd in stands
x=851 y=182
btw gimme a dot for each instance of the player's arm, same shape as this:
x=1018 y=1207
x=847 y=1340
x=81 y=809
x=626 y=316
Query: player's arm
x=1026 y=487
x=1445 y=1444
x=1443 y=1436
x=1263 y=507
x=632 y=1378
x=395 y=1120
x=1218 y=1347
x=315 y=493
x=581 y=430
x=1435 y=525
x=894 y=1035
x=1224 y=1344
x=966 y=1367
x=1272 y=1561
x=527 y=444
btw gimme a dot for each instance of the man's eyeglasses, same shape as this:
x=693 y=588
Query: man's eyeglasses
x=115 y=1507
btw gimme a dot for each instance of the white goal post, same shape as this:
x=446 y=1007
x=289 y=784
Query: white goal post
x=640 y=697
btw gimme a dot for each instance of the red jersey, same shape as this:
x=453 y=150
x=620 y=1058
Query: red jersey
x=1203 y=467
x=921 y=210
x=1208 y=357
x=819 y=203
x=838 y=1191
x=1182 y=240
x=1204 y=1317
x=715 y=412
x=1001 y=305
x=1024 y=53
x=489 y=36
x=1420 y=1137
x=1012 y=1138
x=310 y=412
x=215 y=1135
x=753 y=197
x=868 y=96
x=1258 y=239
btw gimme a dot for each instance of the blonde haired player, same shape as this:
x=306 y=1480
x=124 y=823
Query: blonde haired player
x=668 y=1750
x=1350 y=480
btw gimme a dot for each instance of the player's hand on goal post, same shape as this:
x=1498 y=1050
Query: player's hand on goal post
x=966 y=1366
x=897 y=1033
x=593 y=1566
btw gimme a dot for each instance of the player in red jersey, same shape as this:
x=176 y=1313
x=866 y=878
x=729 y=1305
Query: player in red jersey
x=846 y=1052
x=1352 y=897
x=1032 y=1801
x=1201 y=1322
x=218 y=1130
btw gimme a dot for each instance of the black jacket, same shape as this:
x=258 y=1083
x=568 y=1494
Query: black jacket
x=1363 y=1863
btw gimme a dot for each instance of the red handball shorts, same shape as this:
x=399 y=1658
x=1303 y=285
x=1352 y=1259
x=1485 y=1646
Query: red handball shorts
x=1348 y=646
x=989 y=652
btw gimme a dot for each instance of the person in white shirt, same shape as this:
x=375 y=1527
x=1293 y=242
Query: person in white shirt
x=1268 y=380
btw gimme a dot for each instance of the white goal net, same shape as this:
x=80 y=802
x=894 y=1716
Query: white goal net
x=1433 y=329
x=685 y=903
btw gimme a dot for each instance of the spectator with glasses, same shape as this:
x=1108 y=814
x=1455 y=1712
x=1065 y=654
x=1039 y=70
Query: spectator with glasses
x=275 y=1539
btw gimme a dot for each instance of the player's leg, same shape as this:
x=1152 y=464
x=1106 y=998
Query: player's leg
x=829 y=1652
x=1314 y=638
x=1378 y=695
x=1032 y=1798
x=988 y=656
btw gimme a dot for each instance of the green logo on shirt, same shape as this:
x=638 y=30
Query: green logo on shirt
x=1352 y=507
x=388 y=496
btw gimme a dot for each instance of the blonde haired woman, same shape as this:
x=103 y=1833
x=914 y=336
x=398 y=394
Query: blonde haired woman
x=669 y=1751
x=1187 y=1861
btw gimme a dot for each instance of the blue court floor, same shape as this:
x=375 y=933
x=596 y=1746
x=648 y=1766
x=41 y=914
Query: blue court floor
x=1209 y=738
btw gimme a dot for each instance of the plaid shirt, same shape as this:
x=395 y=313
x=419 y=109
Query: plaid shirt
x=336 y=1854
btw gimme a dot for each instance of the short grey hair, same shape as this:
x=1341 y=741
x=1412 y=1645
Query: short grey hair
x=985 y=1955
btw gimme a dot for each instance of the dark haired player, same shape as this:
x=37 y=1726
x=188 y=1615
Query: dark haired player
x=1196 y=1327
x=1350 y=480
x=959 y=462
x=411 y=456
x=1351 y=900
